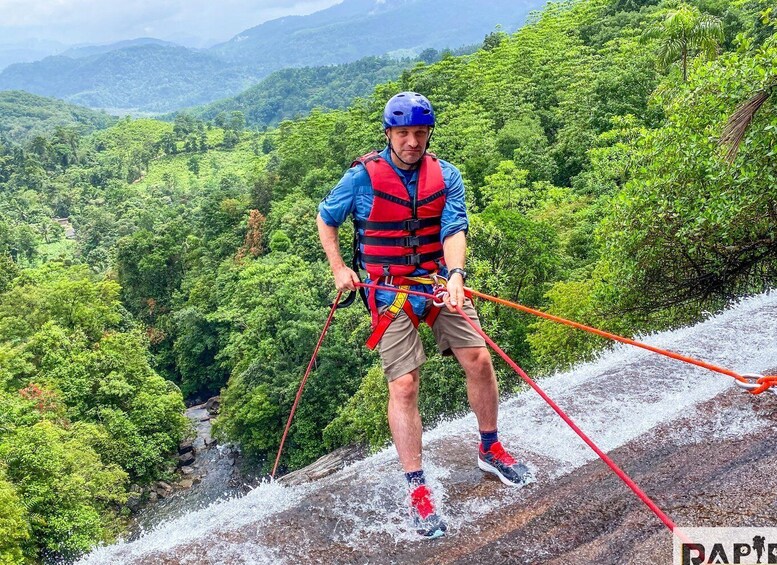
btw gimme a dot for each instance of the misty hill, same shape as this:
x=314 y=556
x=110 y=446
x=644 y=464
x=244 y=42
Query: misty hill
x=24 y=115
x=152 y=78
x=356 y=28
x=27 y=51
x=162 y=78
x=88 y=50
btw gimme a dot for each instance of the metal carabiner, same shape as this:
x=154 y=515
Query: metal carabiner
x=439 y=290
x=752 y=382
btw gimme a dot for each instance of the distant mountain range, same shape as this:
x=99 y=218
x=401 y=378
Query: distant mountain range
x=27 y=51
x=153 y=76
x=148 y=78
x=358 y=28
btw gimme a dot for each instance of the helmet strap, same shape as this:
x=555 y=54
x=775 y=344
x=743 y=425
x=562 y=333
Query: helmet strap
x=411 y=165
x=417 y=164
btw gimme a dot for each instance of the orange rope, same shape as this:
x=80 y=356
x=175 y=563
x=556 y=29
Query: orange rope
x=765 y=382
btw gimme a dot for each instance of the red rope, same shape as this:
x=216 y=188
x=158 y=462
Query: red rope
x=304 y=380
x=610 y=463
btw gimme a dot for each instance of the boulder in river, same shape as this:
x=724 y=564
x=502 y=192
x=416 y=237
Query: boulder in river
x=186 y=459
x=186 y=446
x=213 y=405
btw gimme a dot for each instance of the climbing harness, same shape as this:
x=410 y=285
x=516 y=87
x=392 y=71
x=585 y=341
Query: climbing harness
x=382 y=320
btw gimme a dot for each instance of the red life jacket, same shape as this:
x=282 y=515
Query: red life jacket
x=402 y=234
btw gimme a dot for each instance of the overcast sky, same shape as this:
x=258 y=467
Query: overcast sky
x=104 y=21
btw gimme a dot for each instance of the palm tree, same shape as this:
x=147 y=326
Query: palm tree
x=684 y=32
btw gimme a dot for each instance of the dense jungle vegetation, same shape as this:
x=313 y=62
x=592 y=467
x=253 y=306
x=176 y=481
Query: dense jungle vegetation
x=597 y=190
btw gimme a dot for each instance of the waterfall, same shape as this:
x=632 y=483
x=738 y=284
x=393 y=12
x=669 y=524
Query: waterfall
x=615 y=399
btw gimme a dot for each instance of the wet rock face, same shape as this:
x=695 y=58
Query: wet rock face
x=698 y=470
x=713 y=467
x=704 y=451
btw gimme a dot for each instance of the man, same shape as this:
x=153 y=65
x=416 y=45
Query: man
x=409 y=212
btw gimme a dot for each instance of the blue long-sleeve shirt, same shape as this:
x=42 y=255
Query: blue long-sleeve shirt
x=353 y=196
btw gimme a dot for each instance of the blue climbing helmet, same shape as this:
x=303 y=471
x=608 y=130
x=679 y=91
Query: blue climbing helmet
x=408 y=109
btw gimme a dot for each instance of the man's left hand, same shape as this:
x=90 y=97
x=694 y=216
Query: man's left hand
x=455 y=292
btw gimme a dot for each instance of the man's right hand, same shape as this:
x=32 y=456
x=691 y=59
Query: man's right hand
x=345 y=279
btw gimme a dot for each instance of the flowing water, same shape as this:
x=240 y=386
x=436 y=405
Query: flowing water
x=656 y=414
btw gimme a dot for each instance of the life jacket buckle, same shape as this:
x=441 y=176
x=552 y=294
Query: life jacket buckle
x=413 y=224
x=411 y=241
x=413 y=259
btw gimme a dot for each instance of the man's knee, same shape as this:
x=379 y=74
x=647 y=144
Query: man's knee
x=482 y=357
x=475 y=360
x=404 y=389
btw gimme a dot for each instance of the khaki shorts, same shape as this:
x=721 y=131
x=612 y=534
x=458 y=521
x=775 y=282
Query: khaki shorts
x=401 y=350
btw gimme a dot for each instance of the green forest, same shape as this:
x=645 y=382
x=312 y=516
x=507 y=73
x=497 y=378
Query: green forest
x=24 y=115
x=291 y=93
x=619 y=159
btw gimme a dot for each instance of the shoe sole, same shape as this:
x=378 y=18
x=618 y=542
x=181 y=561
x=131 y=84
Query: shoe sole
x=488 y=468
x=434 y=535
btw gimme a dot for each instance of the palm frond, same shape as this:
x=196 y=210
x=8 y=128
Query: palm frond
x=670 y=51
x=737 y=124
x=710 y=26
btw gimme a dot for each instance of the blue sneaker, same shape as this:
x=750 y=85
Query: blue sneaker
x=425 y=520
x=500 y=463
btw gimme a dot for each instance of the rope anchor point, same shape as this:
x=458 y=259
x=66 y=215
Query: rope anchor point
x=756 y=383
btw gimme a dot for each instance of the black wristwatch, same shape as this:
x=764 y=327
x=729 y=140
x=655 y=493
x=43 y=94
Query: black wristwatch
x=462 y=272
